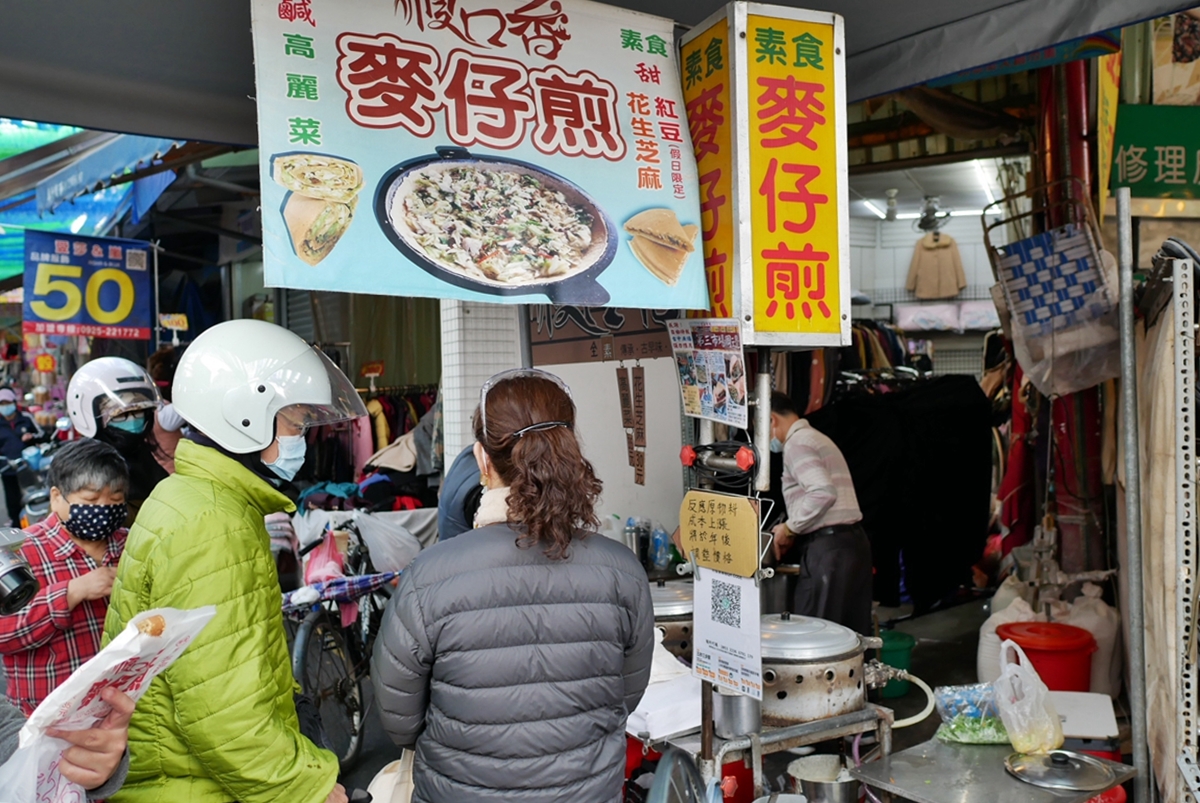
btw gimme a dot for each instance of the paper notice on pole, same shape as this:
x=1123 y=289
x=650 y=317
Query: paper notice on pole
x=712 y=370
x=727 y=642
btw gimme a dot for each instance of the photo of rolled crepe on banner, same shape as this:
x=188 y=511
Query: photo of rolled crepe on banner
x=661 y=243
x=321 y=199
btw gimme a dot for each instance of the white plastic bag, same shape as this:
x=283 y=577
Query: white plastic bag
x=128 y=664
x=1100 y=619
x=394 y=783
x=392 y=545
x=1024 y=703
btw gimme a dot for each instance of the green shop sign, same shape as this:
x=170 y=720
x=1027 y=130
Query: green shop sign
x=1156 y=151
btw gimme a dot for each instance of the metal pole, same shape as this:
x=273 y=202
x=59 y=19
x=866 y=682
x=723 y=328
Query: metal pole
x=154 y=323
x=524 y=342
x=762 y=421
x=1133 y=498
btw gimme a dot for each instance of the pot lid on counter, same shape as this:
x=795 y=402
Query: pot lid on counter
x=672 y=598
x=1062 y=769
x=803 y=638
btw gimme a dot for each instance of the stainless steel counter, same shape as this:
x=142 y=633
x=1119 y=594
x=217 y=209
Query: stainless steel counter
x=935 y=772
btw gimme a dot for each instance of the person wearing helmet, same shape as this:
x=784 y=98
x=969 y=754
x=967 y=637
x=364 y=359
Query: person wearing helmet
x=220 y=723
x=17 y=430
x=114 y=401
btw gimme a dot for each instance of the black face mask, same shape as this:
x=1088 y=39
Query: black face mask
x=96 y=522
x=127 y=443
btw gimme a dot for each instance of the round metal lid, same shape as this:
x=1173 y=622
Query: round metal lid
x=1062 y=769
x=802 y=638
x=671 y=598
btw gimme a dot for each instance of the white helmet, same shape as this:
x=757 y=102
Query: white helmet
x=108 y=387
x=237 y=375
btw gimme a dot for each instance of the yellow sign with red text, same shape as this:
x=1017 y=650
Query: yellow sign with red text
x=1108 y=95
x=768 y=127
x=794 y=174
x=706 y=84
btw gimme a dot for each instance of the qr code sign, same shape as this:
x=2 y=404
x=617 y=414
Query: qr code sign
x=135 y=259
x=727 y=604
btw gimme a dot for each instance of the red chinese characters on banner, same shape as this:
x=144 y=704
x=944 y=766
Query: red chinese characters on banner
x=802 y=196
x=785 y=267
x=389 y=82
x=293 y=10
x=576 y=114
x=718 y=293
x=787 y=111
x=790 y=110
x=541 y=25
x=705 y=117
x=488 y=102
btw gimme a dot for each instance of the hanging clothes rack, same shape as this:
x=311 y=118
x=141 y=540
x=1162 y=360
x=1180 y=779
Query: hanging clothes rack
x=397 y=390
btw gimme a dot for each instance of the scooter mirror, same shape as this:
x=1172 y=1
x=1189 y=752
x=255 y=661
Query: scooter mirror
x=17 y=583
x=63 y=424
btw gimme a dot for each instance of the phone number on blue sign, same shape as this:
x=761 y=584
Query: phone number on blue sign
x=86 y=330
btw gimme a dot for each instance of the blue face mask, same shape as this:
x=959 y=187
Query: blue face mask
x=8 y=410
x=135 y=425
x=291 y=456
x=776 y=445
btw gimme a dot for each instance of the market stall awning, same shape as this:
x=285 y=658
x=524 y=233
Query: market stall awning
x=186 y=69
x=95 y=170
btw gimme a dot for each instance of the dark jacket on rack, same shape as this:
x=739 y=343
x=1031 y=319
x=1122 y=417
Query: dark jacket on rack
x=513 y=674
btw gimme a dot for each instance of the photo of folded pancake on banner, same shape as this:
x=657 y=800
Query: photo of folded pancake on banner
x=317 y=175
x=661 y=243
x=319 y=207
x=316 y=225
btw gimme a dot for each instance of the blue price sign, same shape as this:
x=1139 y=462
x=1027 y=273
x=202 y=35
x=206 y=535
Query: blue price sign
x=92 y=286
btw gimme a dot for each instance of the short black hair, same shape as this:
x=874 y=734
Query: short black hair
x=781 y=404
x=88 y=464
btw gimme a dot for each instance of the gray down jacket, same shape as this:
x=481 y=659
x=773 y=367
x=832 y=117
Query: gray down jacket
x=512 y=674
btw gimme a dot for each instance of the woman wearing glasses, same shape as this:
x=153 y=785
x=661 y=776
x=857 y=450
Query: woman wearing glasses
x=510 y=656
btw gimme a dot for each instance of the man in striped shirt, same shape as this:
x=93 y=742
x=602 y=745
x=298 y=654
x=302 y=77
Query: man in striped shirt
x=821 y=533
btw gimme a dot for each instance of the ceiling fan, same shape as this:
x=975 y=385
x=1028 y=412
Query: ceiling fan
x=933 y=217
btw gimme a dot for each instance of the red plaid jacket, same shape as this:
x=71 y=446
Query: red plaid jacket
x=45 y=641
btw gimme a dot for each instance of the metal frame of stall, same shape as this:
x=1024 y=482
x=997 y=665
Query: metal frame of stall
x=711 y=751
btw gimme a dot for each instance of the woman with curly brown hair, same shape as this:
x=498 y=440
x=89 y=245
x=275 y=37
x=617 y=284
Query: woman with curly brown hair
x=511 y=656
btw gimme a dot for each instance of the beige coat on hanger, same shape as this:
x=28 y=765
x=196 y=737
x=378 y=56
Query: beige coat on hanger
x=936 y=270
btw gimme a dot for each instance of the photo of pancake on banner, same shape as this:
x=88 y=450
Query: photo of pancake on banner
x=661 y=243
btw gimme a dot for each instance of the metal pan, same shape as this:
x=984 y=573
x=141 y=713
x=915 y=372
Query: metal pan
x=578 y=287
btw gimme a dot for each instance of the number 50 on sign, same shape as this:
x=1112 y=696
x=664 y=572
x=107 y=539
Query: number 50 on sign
x=98 y=287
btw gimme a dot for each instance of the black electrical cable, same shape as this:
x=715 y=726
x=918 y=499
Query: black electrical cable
x=729 y=478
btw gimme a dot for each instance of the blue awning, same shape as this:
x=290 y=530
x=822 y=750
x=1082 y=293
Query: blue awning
x=97 y=169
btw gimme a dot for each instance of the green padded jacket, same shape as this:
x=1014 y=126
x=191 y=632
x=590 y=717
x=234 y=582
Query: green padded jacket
x=219 y=724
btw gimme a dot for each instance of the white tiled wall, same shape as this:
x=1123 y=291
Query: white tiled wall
x=478 y=340
x=881 y=252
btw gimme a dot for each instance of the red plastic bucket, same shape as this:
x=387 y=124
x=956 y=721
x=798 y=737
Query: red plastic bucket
x=1061 y=654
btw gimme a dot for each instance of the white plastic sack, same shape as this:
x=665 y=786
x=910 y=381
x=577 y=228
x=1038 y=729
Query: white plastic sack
x=987 y=655
x=1104 y=623
x=928 y=318
x=1010 y=590
x=394 y=783
x=149 y=644
x=978 y=316
x=392 y=545
x=1024 y=702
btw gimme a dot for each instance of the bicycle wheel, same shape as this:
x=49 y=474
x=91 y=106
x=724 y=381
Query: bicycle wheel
x=323 y=667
